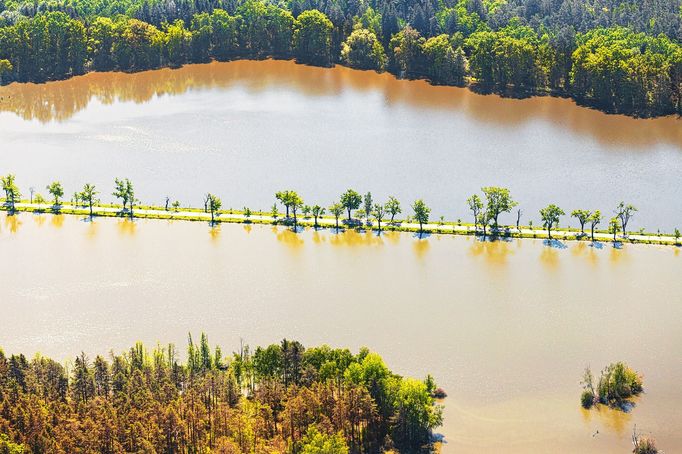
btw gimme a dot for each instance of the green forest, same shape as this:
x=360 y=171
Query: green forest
x=616 y=55
x=279 y=398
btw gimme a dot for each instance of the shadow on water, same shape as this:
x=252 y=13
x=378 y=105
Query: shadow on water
x=597 y=245
x=421 y=235
x=554 y=243
x=493 y=238
x=617 y=245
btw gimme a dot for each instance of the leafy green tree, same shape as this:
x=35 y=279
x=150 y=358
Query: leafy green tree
x=379 y=212
x=444 y=63
x=363 y=50
x=225 y=34
x=5 y=68
x=393 y=207
x=624 y=213
x=614 y=227
x=595 y=219
x=421 y=212
x=274 y=212
x=312 y=38
x=295 y=203
x=280 y=27
x=367 y=205
x=12 y=193
x=306 y=211
x=498 y=201
x=8 y=447
x=88 y=195
x=316 y=442
x=406 y=51
x=56 y=190
x=677 y=236
x=317 y=211
x=125 y=191
x=177 y=43
x=476 y=207
x=550 y=217
x=417 y=416
x=253 y=29
x=336 y=210
x=582 y=216
x=214 y=205
x=351 y=200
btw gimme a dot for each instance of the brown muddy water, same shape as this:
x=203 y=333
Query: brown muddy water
x=506 y=327
x=247 y=129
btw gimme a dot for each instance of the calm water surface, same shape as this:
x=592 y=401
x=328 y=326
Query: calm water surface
x=246 y=129
x=506 y=328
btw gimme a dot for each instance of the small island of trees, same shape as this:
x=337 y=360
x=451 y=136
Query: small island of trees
x=616 y=385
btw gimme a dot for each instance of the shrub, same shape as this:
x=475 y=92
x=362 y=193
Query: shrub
x=618 y=382
x=587 y=399
x=645 y=445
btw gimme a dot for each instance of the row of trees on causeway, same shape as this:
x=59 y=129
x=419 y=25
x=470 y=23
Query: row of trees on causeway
x=353 y=208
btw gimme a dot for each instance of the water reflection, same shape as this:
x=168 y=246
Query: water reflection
x=509 y=351
x=126 y=227
x=12 y=223
x=59 y=101
x=57 y=221
x=289 y=238
x=494 y=252
x=614 y=420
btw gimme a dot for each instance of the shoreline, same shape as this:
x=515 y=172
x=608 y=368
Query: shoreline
x=470 y=84
x=191 y=214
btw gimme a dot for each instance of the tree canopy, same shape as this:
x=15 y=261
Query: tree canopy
x=278 y=398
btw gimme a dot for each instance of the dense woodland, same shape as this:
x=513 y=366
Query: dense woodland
x=618 y=55
x=280 y=398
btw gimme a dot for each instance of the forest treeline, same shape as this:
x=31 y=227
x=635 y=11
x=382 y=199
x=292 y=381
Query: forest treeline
x=280 y=398
x=618 y=55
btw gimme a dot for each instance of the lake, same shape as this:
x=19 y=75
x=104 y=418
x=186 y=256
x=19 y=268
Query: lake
x=246 y=129
x=505 y=327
